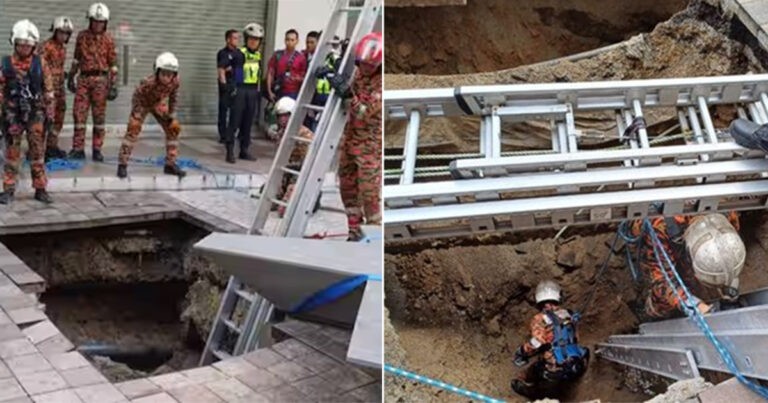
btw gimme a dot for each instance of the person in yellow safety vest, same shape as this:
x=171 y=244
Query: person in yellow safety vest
x=323 y=86
x=247 y=95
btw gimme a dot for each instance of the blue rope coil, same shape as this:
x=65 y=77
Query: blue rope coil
x=333 y=292
x=440 y=384
x=692 y=311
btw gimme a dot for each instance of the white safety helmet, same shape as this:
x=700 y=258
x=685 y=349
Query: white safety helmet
x=98 y=12
x=547 y=290
x=25 y=32
x=285 y=105
x=167 y=61
x=253 y=30
x=717 y=253
x=62 y=23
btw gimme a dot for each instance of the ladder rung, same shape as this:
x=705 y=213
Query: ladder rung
x=351 y=9
x=222 y=355
x=302 y=139
x=290 y=171
x=314 y=107
x=279 y=202
x=228 y=323
x=244 y=295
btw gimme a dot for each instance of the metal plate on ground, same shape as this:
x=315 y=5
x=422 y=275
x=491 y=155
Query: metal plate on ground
x=669 y=362
x=288 y=270
x=365 y=347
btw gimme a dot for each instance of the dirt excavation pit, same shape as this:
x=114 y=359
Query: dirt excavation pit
x=136 y=299
x=490 y=35
x=458 y=309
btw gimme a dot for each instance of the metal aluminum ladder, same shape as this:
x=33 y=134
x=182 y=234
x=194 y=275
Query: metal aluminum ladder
x=492 y=191
x=322 y=151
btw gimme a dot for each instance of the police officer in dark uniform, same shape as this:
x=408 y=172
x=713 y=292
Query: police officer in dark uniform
x=243 y=110
x=226 y=58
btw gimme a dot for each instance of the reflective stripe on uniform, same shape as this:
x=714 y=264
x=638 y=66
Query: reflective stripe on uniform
x=251 y=66
x=535 y=342
x=172 y=143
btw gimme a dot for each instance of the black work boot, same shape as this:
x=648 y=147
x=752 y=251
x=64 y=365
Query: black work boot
x=230 y=153
x=76 y=154
x=122 y=171
x=53 y=153
x=97 y=156
x=6 y=197
x=245 y=155
x=42 y=195
x=174 y=170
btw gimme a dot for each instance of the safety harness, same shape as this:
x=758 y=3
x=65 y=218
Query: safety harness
x=569 y=355
x=24 y=92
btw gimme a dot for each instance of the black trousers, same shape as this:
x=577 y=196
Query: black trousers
x=242 y=116
x=225 y=102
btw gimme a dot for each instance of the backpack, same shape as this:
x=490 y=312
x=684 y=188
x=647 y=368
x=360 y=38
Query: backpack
x=569 y=355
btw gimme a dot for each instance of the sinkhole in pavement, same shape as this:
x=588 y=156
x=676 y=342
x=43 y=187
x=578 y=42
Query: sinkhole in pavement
x=136 y=299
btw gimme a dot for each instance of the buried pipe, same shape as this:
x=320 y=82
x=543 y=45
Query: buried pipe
x=136 y=357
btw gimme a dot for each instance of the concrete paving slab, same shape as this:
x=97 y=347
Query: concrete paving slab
x=10 y=332
x=25 y=316
x=27 y=364
x=41 y=332
x=194 y=394
x=10 y=389
x=260 y=379
x=231 y=390
x=137 y=388
x=158 y=398
x=83 y=376
x=347 y=378
x=171 y=381
x=101 y=393
x=16 y=347
x=41 y=382
x=234 y=366
x=203 y=375
x=290 y=371
x=729 y=391
x=263 y=358
x=61 y=396
x=55 y=345
x=65 y=361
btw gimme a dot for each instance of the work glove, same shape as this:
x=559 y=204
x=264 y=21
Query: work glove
x=520 y=358
x=340 y=83
x=71 y=85
x=112 y=94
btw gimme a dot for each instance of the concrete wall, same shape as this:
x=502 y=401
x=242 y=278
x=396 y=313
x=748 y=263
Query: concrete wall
x=303 y=16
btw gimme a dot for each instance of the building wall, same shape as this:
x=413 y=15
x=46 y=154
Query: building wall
x=303 y=16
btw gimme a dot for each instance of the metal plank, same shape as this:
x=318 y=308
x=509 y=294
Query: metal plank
x=410 y=148
x=587 y=201
x=287 y=270
x=365 y=346
x=529 y=182
x=749 y=349
x=753 y=318
x=585 y=95
x=757 y=297
x=521 y=163
x=668 y=362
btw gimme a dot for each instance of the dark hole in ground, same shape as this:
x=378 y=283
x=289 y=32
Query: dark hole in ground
x=135 y=324
x=137 y=293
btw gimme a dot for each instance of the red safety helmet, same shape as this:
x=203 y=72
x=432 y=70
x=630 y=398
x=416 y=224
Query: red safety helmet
x=369 y=49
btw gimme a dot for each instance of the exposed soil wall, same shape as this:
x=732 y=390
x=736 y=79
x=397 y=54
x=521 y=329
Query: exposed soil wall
x=490 y=35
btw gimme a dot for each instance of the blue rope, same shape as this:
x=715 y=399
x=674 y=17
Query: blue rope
x=692 y=311
x=439 y=384
x=333 y=292
x=57 y=165
x=625 y=235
